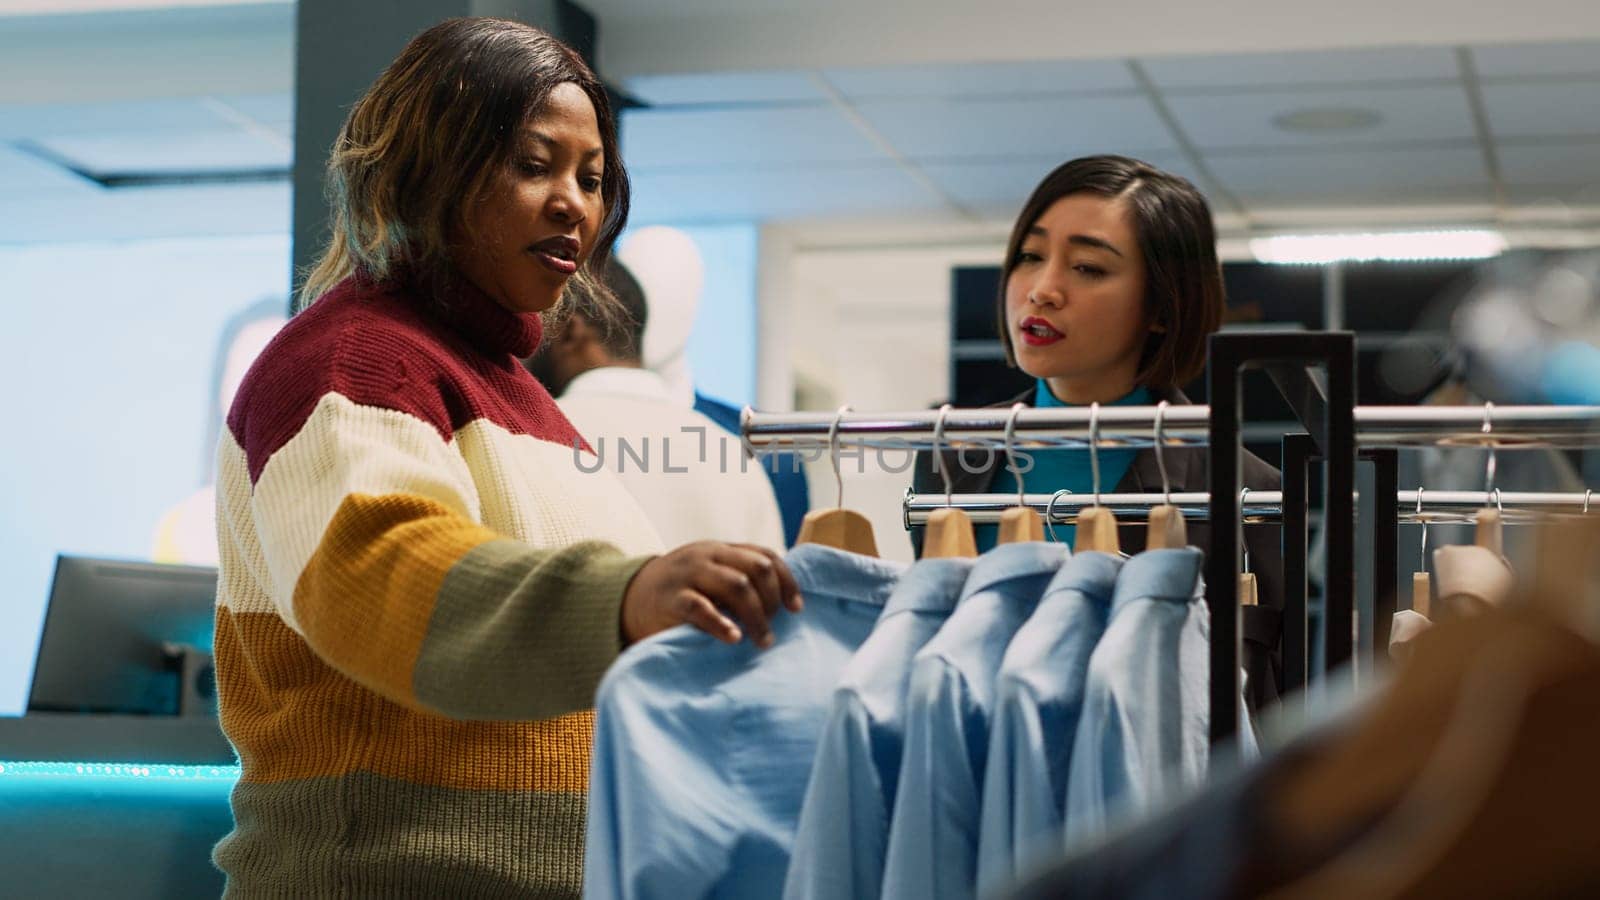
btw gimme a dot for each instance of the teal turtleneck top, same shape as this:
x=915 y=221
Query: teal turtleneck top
x=1054 y=470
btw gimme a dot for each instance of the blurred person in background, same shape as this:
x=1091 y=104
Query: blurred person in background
x=692 y=478
x=187 y=531
x=668 y=266
x=419 y=592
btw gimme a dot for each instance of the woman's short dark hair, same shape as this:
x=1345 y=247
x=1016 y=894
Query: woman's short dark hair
x=1172 y=223
x=428 y=137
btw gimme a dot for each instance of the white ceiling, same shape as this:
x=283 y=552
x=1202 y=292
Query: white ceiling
x=1471 y=132
x=1484 y=130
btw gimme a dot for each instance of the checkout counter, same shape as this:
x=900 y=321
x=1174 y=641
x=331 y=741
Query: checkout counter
x=115 y=783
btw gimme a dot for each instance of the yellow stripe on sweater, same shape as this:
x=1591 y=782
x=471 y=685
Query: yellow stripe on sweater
x=291 y=716
x=367 y=594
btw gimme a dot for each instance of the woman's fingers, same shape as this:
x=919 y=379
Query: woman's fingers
x=788 y=588
x=733 y=590
x=697 y=609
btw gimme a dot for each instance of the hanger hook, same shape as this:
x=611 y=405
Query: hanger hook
x=1586 y=493
x=1243 y=493
x=1094 y=449
x=1161 y=457
x=938 y=438
x=1423 y=564
x=1488 y=472
x=1497 y=504
x=833 y=451
x=1050 y=514
x=1011 y=449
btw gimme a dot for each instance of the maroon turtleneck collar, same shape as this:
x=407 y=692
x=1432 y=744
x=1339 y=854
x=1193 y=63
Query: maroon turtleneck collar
x=490 y=327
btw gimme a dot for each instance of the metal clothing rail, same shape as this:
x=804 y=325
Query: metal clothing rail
x=1315 y=372
x=986 y=509
x=1512 y=427
x=1260 y=507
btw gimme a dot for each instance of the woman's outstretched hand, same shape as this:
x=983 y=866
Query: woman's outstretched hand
x=725 y=590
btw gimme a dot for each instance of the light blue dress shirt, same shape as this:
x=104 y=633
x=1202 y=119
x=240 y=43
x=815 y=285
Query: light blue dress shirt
x=844 y=823
x=1143 y=735
x=933 y=834
x=702 y=749
x=1038 y=698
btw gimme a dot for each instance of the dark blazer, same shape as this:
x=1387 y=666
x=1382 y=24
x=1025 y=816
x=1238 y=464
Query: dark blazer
x=1262 y=626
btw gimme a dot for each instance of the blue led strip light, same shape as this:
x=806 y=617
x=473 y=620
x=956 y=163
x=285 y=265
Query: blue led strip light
x=152 y=772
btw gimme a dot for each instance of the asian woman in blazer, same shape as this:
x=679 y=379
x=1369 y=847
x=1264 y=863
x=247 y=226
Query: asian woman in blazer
x=1109 y=288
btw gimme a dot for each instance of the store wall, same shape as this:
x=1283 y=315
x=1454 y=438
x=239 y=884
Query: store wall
x=864 y=322
x=111 y=358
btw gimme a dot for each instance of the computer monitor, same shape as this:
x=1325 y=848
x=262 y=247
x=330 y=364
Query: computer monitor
x=109 y=637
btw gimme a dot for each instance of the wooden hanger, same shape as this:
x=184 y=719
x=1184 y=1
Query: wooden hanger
x=1166 y=530
x=1564 y=582
x=1249 y=593
x=1421 y=586
x=949 y=531
x=1489 y=532
x=1476 y=577
x=1019 y=524
x=840 y=528
x=1097 y=527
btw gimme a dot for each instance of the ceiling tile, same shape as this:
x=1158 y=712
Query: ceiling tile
x=214 y=150
x=1543 y=109
x=790 y=193
x=999 y=187
x=1551 y=163
x=1274 y=71
x=726 y=87
x=43 y=121
x=1537 y=60
x=275 y=111
x=42 y=217
x=1246 y=120
x=984 y=79
x=1354 y=177
x=1063 y=127
x=20 y=170
x=703 y=139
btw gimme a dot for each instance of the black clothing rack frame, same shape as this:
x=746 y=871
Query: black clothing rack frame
x=1299 y=454
x=1327 y=410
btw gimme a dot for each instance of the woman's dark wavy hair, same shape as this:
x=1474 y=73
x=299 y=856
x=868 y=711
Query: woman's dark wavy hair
x=431 y=133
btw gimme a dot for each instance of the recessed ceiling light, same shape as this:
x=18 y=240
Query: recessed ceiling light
x=1327 y=118
x=1394 y=246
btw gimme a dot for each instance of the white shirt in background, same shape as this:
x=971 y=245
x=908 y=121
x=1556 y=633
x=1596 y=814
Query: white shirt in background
x=690 y=476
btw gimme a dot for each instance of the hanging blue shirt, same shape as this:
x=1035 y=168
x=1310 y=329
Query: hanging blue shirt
x=844 y=823
x=1144 y=732
x=702 y=749
x=1055 y=470
x=1038 y=697
x=933 y=834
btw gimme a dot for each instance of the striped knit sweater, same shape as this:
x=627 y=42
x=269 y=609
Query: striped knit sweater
x=418 y=594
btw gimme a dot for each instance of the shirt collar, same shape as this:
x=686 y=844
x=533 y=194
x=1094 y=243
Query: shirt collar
x=1010 y=561
x=476 y=316
x=930 y=585
x=1044 y=397
x=1090 y=573
x=619 y=380
x=1170 y=575
x=837 y=573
